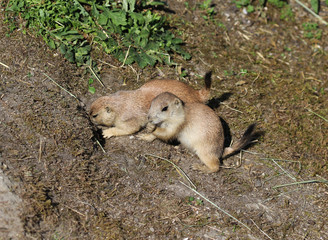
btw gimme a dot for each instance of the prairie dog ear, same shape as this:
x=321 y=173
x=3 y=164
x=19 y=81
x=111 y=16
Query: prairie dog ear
x=108 y=109
x=177 y=101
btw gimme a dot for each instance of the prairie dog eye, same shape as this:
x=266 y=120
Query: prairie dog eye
x=164 y=109
x=94 y=116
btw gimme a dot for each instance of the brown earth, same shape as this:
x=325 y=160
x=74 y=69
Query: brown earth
x=264 y=71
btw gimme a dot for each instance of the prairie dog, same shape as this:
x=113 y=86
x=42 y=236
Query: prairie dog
x=194 y=125
x=125 y=112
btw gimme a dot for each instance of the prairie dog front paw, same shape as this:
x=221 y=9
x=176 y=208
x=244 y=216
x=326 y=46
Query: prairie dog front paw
x=150 y=127
x=108 y=133
x=147 y=137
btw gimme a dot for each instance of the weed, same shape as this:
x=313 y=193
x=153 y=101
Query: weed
x=242 y=3
x=90 y=88
x=311 y=30
x=243 y=72
x=183 y=73
x=228 y=73
x=250 y=8
x=206 y=6
x=192 y=201
x=286 y=13
x=220 y=24
x=127 y=30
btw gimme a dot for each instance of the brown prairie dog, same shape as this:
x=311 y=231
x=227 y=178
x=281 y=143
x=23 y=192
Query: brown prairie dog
x=194 y=125
x=125 y=112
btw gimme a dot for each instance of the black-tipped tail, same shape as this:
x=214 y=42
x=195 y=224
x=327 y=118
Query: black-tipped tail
x=245 y=140
x=208 y=80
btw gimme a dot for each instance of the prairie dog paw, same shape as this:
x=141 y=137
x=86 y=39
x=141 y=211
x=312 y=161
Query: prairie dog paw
x=203 y=168
x=147 y=137
x=108 y=133
x=150 y=127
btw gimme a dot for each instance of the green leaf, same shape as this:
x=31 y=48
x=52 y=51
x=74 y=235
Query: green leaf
x=52 y=44
x=17 y=6
x=69 y=55
x=129 y=5
x=94 y=10
x=82 y=51
x=92 y=90
x=138 y=18
x=103 y=19
x=118 y=18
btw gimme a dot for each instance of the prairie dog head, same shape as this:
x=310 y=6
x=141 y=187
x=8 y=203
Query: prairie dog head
x=101 y=113
x=166 y=108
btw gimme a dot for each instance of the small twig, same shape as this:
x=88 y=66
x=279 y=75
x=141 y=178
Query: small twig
x=94 y=74
x=313 y=13
x=322 y=178
x=179 y=170
x=209 y=65
x=76 y=211
x=318 y=115
x=285 y=171
x=135 y=72
x=206 y=199
x=231 y=107
x=126 y=56
x=254 y=153
x=4 y=65
x=238 y=162
x=303 y=182
x=283 y=160
x=261 y=230
x=101 y=147
x=40 y=149
x=61 y=87
x=256 y=78
x=107 y=63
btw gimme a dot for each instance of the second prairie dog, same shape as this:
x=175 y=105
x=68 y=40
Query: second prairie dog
x=125 y=112
x=194 y=125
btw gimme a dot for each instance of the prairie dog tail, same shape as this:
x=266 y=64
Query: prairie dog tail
x=243 y=142
x=205 y=93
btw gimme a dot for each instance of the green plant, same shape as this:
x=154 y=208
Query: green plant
x=250 y=8
x=242 y=3
x=278 y=3
x=243 y=72
x=206 y=6
x=228 y=73
x=311 y=30
x=91 y=88
x=128 y=30
x=183 y=73
x=192 y=201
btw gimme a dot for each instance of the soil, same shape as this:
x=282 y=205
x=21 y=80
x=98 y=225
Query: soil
x=60 y=184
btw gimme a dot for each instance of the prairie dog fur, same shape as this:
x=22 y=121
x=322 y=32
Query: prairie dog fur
x=194 y=125
x=125 y=112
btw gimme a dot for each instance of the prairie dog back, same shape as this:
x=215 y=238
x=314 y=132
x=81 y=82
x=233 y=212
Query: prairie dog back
x=125 y=112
